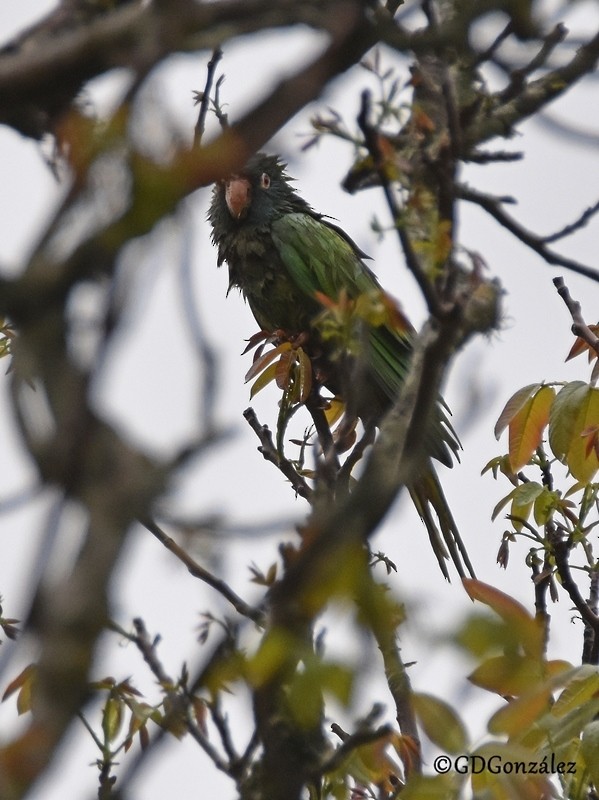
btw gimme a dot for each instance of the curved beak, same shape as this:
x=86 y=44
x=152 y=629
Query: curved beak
x=238 y=194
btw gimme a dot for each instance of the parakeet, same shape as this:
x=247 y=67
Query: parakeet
x=285 y=257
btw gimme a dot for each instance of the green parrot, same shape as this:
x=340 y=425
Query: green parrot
x=286 y=258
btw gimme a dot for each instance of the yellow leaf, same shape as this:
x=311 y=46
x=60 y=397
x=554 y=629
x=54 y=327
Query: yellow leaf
x=23 y=683
x=513 y=405
x=440 y=723
x=509 y=674
x=264 y=379
x=334 y=411
x=516 y=717
x=274 y=651
x=374 y=765
x=262 y=362
x=527 y=425
x=495 y=776
x=529 y=631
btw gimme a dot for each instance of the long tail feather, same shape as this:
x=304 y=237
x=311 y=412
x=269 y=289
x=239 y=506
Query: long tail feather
x=431 y=504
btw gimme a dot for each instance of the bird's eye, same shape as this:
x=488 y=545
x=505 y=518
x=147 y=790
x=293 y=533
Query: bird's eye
x=265 y=181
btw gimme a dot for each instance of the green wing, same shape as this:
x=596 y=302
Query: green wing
x=320 y=258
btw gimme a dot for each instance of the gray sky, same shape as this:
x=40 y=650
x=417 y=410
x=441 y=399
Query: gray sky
x=153 y=387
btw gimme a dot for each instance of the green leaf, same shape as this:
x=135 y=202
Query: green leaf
x=583 y=687
x=544 y=505
x=440 y=723
x=276 y=649
x=589 y=748
x=523 y=498
x=432 y=787
x=112 y=718
x=562 y=418
x=502 y=504
x=581 y=459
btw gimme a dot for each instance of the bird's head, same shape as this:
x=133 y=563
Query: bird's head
x=255 y=196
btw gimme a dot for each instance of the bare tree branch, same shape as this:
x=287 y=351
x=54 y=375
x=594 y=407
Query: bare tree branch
x=203 y=98
x=40 y=77
x=579 y=326
x=198 y=571
x=536 y=243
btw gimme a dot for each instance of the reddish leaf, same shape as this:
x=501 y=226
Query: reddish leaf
x=283 y=369
x=261 y=336
x=265 y=360
x=580 y=346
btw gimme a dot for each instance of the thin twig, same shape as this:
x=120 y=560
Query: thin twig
x=330 y=462
x=541 y=582
x=355 y=456
x=222 y=116
x=518 y=76
x=561 y=550
x=490 y=51
x=221 y=724
x=351 y=742
x=203 y=98
x=536 y=243
x=147 y=647
x=492 y=156
x=590 y=650
x=399 y=687
x=179 y=702
x=572 y=227
x=412 y=261
x=269 y=451
x=200 y=572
